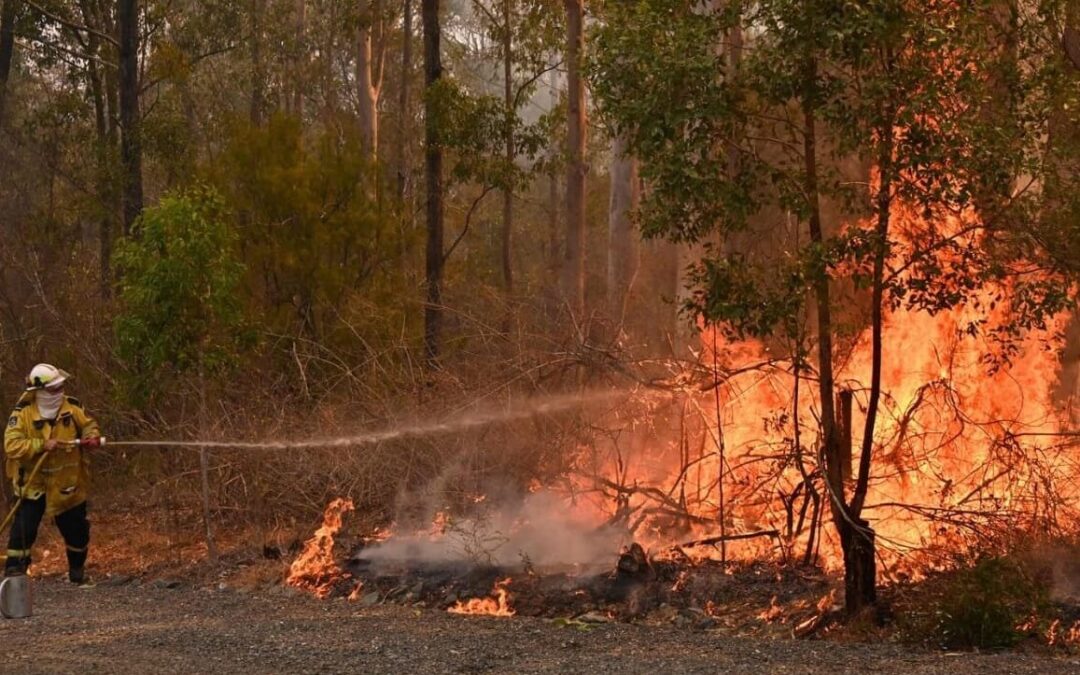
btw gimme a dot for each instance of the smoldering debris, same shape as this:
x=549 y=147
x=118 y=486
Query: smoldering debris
x=538 y=532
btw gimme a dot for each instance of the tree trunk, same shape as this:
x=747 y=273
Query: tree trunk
x=574 y=261
x=204 y=473
x=554 y=222
x=824 y=309
x=1070 y=42
x=327 y=75
x=511 y=118
x=204 y=484
x=299 y=60
x=877 y=318
x=104 y=91
x=433 y=169
x=1062 y=134
x=130 y=142
x=8 y=14
x=998 y=109
x=554 y=260
x=733 y=56
x=845 y=400
x=103 y=150
x=404 y=115
x=856 y=538
x=368 y=89
x=622 y=251
x=256 y=111
x=686 y=338
x=107 y=21
x=857 y=541
x=663 y=322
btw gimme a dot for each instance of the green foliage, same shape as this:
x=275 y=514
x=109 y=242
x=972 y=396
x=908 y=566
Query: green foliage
x=659 y=81
x=952 y=123
x=745 y=298
x=311 y=227
x=179 y=307
x=984 y=605
x=473 y=128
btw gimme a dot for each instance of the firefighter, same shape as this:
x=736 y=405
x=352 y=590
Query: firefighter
x=47 y=421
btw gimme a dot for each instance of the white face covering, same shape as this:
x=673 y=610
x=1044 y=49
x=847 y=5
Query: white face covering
x=49 y=403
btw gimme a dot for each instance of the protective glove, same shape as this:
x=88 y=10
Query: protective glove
x=90 y=443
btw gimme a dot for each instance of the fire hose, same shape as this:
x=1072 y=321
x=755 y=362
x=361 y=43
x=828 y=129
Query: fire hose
x=526 y=409
x=33 y=474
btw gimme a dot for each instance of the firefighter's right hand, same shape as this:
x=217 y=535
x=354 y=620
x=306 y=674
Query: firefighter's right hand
x=50 y=444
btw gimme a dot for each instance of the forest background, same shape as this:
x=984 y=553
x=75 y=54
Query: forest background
x=304 y=218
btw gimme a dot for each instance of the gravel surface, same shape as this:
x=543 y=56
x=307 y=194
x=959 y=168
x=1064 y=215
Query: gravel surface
x=150 y=628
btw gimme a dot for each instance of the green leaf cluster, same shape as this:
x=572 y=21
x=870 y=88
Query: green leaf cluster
x=953 y=120
x=310 y=224
x=179 y=307
x=472 y=127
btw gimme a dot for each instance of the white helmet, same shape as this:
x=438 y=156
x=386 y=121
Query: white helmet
x=44 y=375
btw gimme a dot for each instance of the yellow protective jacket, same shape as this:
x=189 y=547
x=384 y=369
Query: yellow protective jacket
x=64 y=478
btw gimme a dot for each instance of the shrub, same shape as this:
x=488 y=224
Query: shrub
x=179 y=309
x=984 y=604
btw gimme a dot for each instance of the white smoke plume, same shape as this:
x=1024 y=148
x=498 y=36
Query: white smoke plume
x=540 y=531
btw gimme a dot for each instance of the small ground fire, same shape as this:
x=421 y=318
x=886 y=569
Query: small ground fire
x=315 y=569
x=498 y=605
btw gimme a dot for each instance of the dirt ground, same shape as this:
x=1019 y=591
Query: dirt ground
x=158 y=607
x=150 y=627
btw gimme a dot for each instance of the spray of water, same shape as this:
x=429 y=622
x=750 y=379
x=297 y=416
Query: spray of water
x=515 y=411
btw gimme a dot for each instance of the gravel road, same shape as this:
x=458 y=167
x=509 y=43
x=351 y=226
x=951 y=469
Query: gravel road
x=150 y=628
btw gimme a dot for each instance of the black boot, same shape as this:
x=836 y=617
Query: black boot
x=77 y=575
x=16 y=567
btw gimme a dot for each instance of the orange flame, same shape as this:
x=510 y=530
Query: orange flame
x=960 y=453
x=499 y=605
x=356 y=591
x=314 y=570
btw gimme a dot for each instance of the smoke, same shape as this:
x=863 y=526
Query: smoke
x=539 y=531
x=1065 y=574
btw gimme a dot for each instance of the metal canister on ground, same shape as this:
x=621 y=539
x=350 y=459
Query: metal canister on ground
x=16 y=600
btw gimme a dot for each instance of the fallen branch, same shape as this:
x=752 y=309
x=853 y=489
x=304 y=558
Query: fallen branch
x=710 y=541
x=808 y=627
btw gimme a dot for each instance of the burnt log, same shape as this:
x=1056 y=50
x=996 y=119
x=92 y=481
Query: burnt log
x=631 y=583
x=634 y=565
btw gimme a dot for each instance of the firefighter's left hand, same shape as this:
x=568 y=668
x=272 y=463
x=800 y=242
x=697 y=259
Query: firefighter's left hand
x=90 y=442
